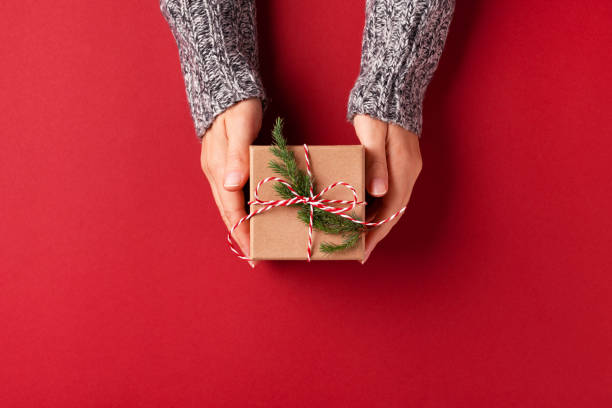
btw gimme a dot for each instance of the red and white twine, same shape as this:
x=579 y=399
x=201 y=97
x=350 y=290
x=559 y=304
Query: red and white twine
x=312 y=201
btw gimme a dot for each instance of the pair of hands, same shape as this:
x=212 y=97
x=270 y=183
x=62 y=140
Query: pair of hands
x=393 y=163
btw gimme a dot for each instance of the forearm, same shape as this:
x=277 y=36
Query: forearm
x=217 y=44
x=401 y=47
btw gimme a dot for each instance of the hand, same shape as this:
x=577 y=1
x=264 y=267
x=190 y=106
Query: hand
x=393 y=163
x=225 y=162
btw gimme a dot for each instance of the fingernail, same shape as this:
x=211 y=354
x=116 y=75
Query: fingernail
x=252 y=264
x=378 y=187
x=232 y=179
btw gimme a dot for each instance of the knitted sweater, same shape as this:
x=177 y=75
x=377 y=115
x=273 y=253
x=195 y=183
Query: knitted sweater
x=401 y=46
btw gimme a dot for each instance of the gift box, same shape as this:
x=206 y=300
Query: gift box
x=278 y=234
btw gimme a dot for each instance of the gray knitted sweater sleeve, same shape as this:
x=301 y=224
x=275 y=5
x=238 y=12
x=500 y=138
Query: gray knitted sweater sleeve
x=401 y=46
x=217 y=44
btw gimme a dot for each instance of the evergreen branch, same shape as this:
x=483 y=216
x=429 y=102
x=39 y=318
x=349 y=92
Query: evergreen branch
x=300 y=182
x=328 y=222
x=350 y=240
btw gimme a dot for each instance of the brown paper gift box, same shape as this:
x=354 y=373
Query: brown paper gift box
x=278 y=234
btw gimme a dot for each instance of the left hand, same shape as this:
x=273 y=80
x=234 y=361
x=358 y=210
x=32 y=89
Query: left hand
x=393 y=163
x=225 y=162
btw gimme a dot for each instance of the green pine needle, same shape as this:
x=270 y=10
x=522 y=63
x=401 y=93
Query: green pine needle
x=300 y=182
x=350 y=241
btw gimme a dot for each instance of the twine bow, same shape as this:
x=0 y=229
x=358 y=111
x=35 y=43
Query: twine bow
x=312 y=201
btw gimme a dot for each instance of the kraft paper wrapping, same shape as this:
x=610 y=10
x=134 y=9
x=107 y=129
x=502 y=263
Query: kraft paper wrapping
x=278 y=234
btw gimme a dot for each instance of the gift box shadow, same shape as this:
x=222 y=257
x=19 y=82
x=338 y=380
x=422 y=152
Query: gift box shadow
x=420 y=232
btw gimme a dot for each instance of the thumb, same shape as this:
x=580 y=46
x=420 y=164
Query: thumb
x=239 y=139
x=373 y=136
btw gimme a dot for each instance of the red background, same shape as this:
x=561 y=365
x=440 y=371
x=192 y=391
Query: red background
x=117 y=287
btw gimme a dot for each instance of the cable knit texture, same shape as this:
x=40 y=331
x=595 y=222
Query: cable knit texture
x=217 y=43
x=401 y=46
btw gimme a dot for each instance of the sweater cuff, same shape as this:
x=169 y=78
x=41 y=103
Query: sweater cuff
x=401 y=46
x=386 y=96
x=217 y=44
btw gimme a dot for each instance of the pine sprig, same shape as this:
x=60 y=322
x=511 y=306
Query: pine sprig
x=350 y=240
x=287 y=167
x=300 y=181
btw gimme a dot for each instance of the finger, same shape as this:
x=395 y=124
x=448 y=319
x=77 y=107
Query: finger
x=372 y=208
x=376 y=234
x=230 y=203
x=211 y=161
x=214 y=153
x=404 y=163
x=240 y=133
x=373 y=135
x=242 y=124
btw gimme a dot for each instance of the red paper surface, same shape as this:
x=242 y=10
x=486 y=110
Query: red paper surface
x=116 y=284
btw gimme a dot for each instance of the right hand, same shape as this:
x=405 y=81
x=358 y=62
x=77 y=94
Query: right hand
x=225 y=162
x=393 y=163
